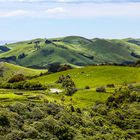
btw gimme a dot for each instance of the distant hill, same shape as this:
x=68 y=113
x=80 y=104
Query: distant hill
x=72 y=50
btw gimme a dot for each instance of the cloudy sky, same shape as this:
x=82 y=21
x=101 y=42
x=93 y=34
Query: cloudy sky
x=27 y=19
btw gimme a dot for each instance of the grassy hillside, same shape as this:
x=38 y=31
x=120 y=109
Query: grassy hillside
x=73 y=50
x=8 y=70
x=94 y=76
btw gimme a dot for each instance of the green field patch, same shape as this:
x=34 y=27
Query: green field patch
x=95 y=76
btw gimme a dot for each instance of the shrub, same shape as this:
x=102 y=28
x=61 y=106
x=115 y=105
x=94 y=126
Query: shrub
x=31 y=132
x=72 y=108
x=68 y=84
x=138 y=62
x=70 y=91
x=110 y=85
x=38 y=125
x=64 y=67
x=36 y=113
x=15 y=135
x=24 y=85
x=21 y=56
x=78 y=110
x=1 y=72
x=87 y=87
x=17 y=78
x=33 y=86
x=53 y=67
x=130 y=86
x=4 y=121
x=56 y=67
x=101 y=89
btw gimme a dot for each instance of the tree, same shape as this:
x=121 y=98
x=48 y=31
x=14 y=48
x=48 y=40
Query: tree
x=37 y=44
x=17 y=78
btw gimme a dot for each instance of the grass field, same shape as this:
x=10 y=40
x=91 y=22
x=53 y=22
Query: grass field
x=93 y=76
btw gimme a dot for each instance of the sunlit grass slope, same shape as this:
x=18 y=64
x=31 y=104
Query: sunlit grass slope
x=8 y=70
x=94 y=76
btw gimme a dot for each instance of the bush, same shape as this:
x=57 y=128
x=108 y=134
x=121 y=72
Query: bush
x=30 y=132
x=17 y=78
x=101 y=89
x=68 y=84
x=87 y=87
x=4 y=121
x=15 y=135
x=70 y=90
x=56 y=67
x=110 y=85
x=33 y=86
x=21 y=56
x=24 y=85
x=130 y=86
x=36 y=113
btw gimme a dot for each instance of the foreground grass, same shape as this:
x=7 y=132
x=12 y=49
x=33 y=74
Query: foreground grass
x=82 y=98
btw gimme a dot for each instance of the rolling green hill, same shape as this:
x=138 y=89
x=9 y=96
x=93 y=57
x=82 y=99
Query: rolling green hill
x=7 y=70
x=95 y=76
x=72 y=50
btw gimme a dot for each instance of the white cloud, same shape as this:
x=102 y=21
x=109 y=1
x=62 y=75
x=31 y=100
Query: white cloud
x=49 y=13
x=56 y=10
x=15 y=13
x=125 y=10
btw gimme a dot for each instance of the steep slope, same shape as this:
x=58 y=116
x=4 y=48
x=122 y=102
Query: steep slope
x=72 y=50
x=8 y=70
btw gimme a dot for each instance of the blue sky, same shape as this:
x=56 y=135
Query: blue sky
x=27 y=19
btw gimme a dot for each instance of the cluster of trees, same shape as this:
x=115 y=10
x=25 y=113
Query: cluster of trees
x=26 y=85
x=20 y=81
x=68 y=84
x=37 y=46
x=56 y=67
x=17 y=78
x=47 y=120
x=125 y=63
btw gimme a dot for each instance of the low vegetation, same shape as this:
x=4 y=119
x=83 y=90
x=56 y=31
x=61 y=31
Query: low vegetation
x=116 y=118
